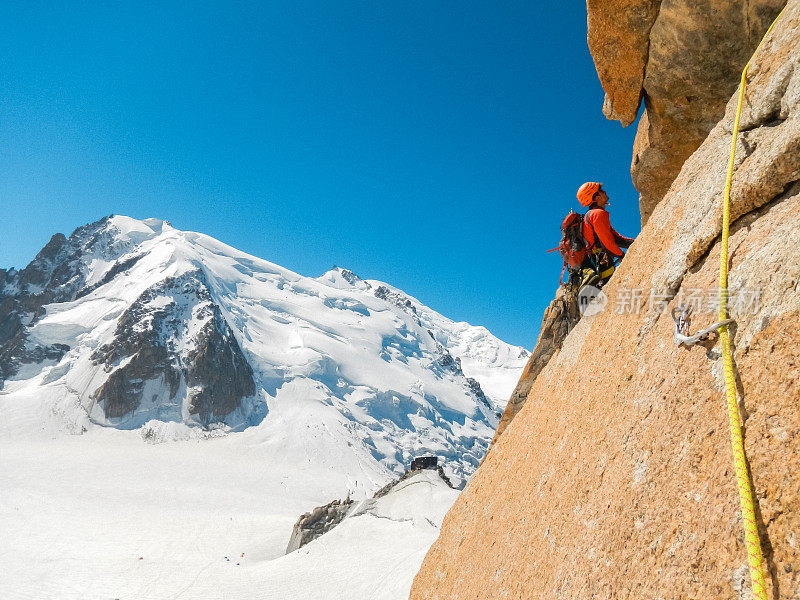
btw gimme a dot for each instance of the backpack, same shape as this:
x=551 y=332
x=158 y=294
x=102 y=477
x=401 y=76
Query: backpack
x=573 y=247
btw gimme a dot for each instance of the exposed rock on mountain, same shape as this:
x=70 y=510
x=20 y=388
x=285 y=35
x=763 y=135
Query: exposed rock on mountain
x=149 y=337
x=619 y=40
x=322 y=519
x=353 y=560
x=683 y=59
x=175 y=333
x=615 y=479
x=319 y=521
x=56 y=274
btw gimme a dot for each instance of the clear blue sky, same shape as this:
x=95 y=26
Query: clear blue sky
x=432 y=145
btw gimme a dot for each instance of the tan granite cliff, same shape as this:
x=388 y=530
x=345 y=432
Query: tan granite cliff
x=559 y=318
x=682 y=59
x=615 y=479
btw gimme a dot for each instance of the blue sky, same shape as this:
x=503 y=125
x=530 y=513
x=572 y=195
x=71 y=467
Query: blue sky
x=432 y=145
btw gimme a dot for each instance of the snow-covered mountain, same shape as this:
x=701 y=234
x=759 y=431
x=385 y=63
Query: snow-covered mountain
x=137 y=325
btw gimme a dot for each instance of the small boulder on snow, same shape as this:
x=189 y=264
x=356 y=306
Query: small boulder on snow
x=322 y=519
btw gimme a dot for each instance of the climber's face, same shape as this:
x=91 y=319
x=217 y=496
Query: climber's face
x=601 y=198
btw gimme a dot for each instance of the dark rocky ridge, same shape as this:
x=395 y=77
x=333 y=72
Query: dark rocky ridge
x=214 y=370
x=56 y=274
x=410 y=472
x=319 y=521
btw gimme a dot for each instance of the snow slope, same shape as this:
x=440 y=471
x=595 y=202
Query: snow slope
x=337 y=362
x=112 y=518
x=374 y=553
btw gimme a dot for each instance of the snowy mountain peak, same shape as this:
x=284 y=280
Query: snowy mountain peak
x=136 y=229
x=131 y=323
x=343 y=279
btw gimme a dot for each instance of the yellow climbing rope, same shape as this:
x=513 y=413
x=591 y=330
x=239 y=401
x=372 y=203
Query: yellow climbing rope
x=754 y=554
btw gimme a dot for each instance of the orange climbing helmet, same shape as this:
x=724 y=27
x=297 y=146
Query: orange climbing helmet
x=587 y=191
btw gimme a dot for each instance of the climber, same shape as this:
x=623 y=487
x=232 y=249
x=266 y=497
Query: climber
x=589 y=245
x=605 y=244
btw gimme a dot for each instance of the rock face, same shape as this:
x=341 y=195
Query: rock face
x=184 y=340
x=558 y=320
x=619 y=40
x=56 y=274
x=616 y=478
x=319 y=521
x=683 y=59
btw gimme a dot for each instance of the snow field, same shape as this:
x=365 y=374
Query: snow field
x=104 y=515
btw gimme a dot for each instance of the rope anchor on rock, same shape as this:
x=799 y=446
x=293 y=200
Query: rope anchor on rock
x=682 y=315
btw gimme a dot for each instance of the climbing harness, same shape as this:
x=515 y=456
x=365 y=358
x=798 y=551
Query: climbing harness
x=754 y=554
x=596 y=275
x=682 y=315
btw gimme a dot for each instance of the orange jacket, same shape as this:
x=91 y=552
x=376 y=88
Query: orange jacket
x=597 y=222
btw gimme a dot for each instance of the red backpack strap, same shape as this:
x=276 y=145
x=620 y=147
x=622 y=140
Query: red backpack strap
x=594 y=233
